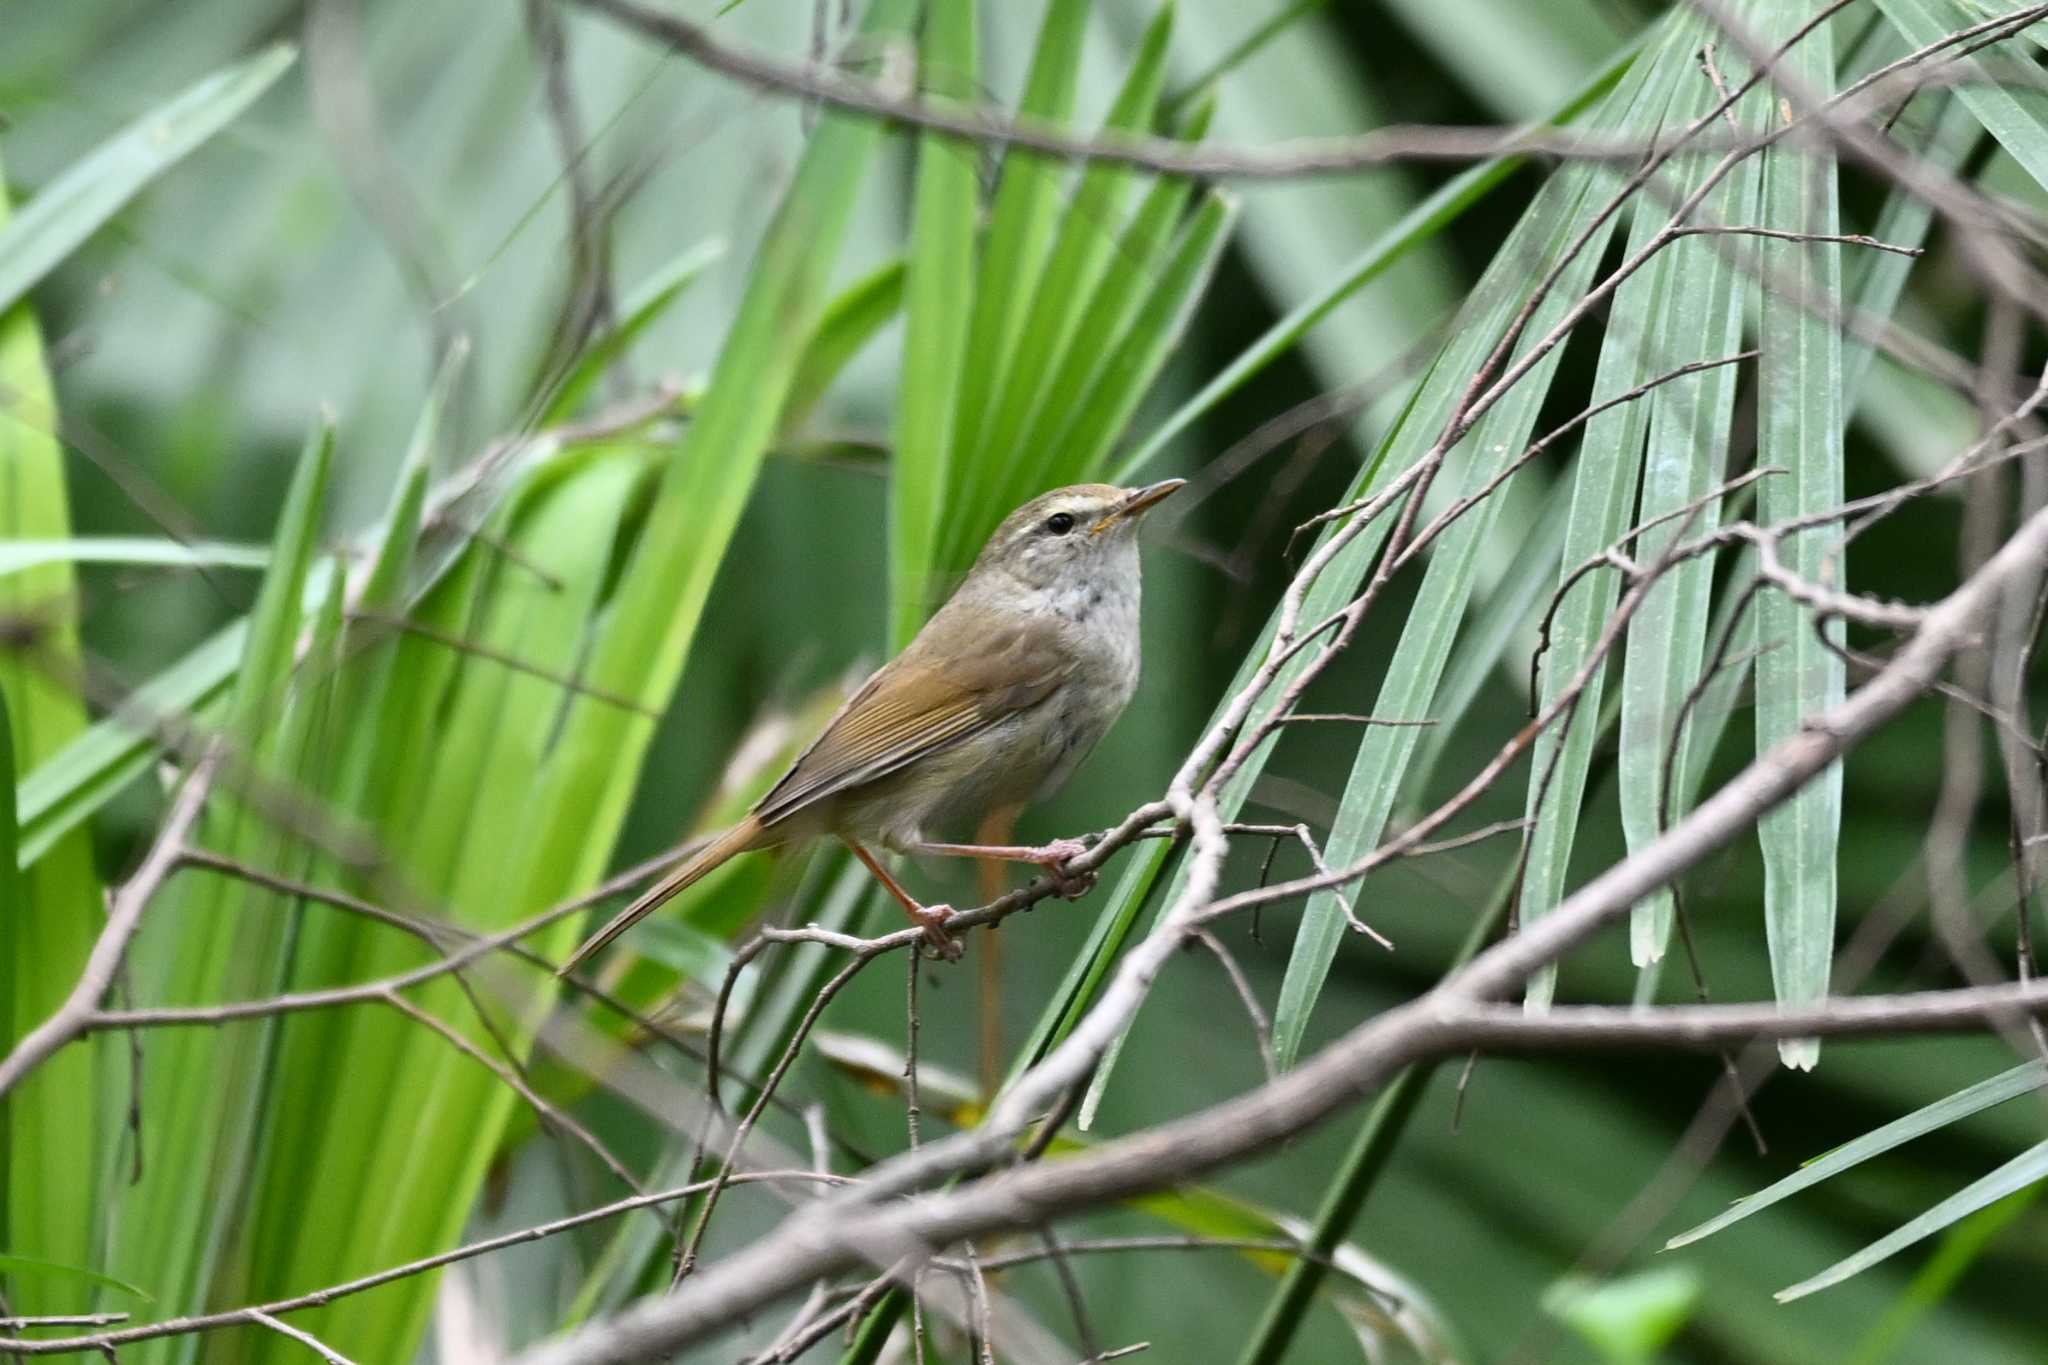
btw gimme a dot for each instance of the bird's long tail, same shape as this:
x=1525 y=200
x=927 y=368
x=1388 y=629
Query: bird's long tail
x=741 y=837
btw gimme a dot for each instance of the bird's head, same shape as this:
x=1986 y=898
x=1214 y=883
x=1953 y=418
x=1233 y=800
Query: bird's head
x=1071 y=534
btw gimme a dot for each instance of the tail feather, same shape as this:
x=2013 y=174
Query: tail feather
x=741 y=837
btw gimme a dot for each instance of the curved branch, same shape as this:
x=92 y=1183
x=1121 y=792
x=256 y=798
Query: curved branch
x=103 y=964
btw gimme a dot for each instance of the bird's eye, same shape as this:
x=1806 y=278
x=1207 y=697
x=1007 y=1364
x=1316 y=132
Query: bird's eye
x=1059 y=523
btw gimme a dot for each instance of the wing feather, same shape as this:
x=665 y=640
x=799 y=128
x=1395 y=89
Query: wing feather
x=929 y=698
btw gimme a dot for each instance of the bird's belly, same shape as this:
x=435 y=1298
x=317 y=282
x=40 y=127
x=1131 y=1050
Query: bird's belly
x=1023 y=758
x=1075 y=721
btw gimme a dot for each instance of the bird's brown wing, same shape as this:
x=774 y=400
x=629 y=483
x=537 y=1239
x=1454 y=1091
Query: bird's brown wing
x=938 y=692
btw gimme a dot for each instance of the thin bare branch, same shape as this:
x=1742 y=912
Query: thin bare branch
x=103 y=964
x=319 y=1298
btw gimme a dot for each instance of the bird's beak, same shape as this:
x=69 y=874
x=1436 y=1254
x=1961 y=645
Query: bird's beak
x=1136 y=503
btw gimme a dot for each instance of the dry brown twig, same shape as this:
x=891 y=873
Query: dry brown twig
x=894 y=101
x=74 y=1017
x=319 y=1298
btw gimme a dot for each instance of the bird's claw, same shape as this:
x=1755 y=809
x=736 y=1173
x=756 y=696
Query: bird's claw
x=1067 y=884
x=1071 y=886
x=933 y=919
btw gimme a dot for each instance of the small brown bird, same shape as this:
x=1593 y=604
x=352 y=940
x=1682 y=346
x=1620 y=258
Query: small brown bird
x=996 y=701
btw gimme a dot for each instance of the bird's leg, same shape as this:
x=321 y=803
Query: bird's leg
x=931 y=918
x=1053 y=857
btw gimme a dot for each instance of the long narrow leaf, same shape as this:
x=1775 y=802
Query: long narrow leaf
x=36 y=1267
x=998 y=468
x=1687 y=456
x=349 y=767
x=100 y=761
x=1995 y=1090
x=2028 y=1168
x=17 y=555
x=1021 y=220
x=1483 y=651
x=1129 y=367
x=1720 y=694
x=199 y=948
x=937 y=308
x=1144 y=252
x=54 y=1128
x=76 y=204
x=1800 y=430
x=1604 y=479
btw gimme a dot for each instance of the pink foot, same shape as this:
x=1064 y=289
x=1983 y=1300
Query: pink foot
x=1054 y=857
x=933 y=919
